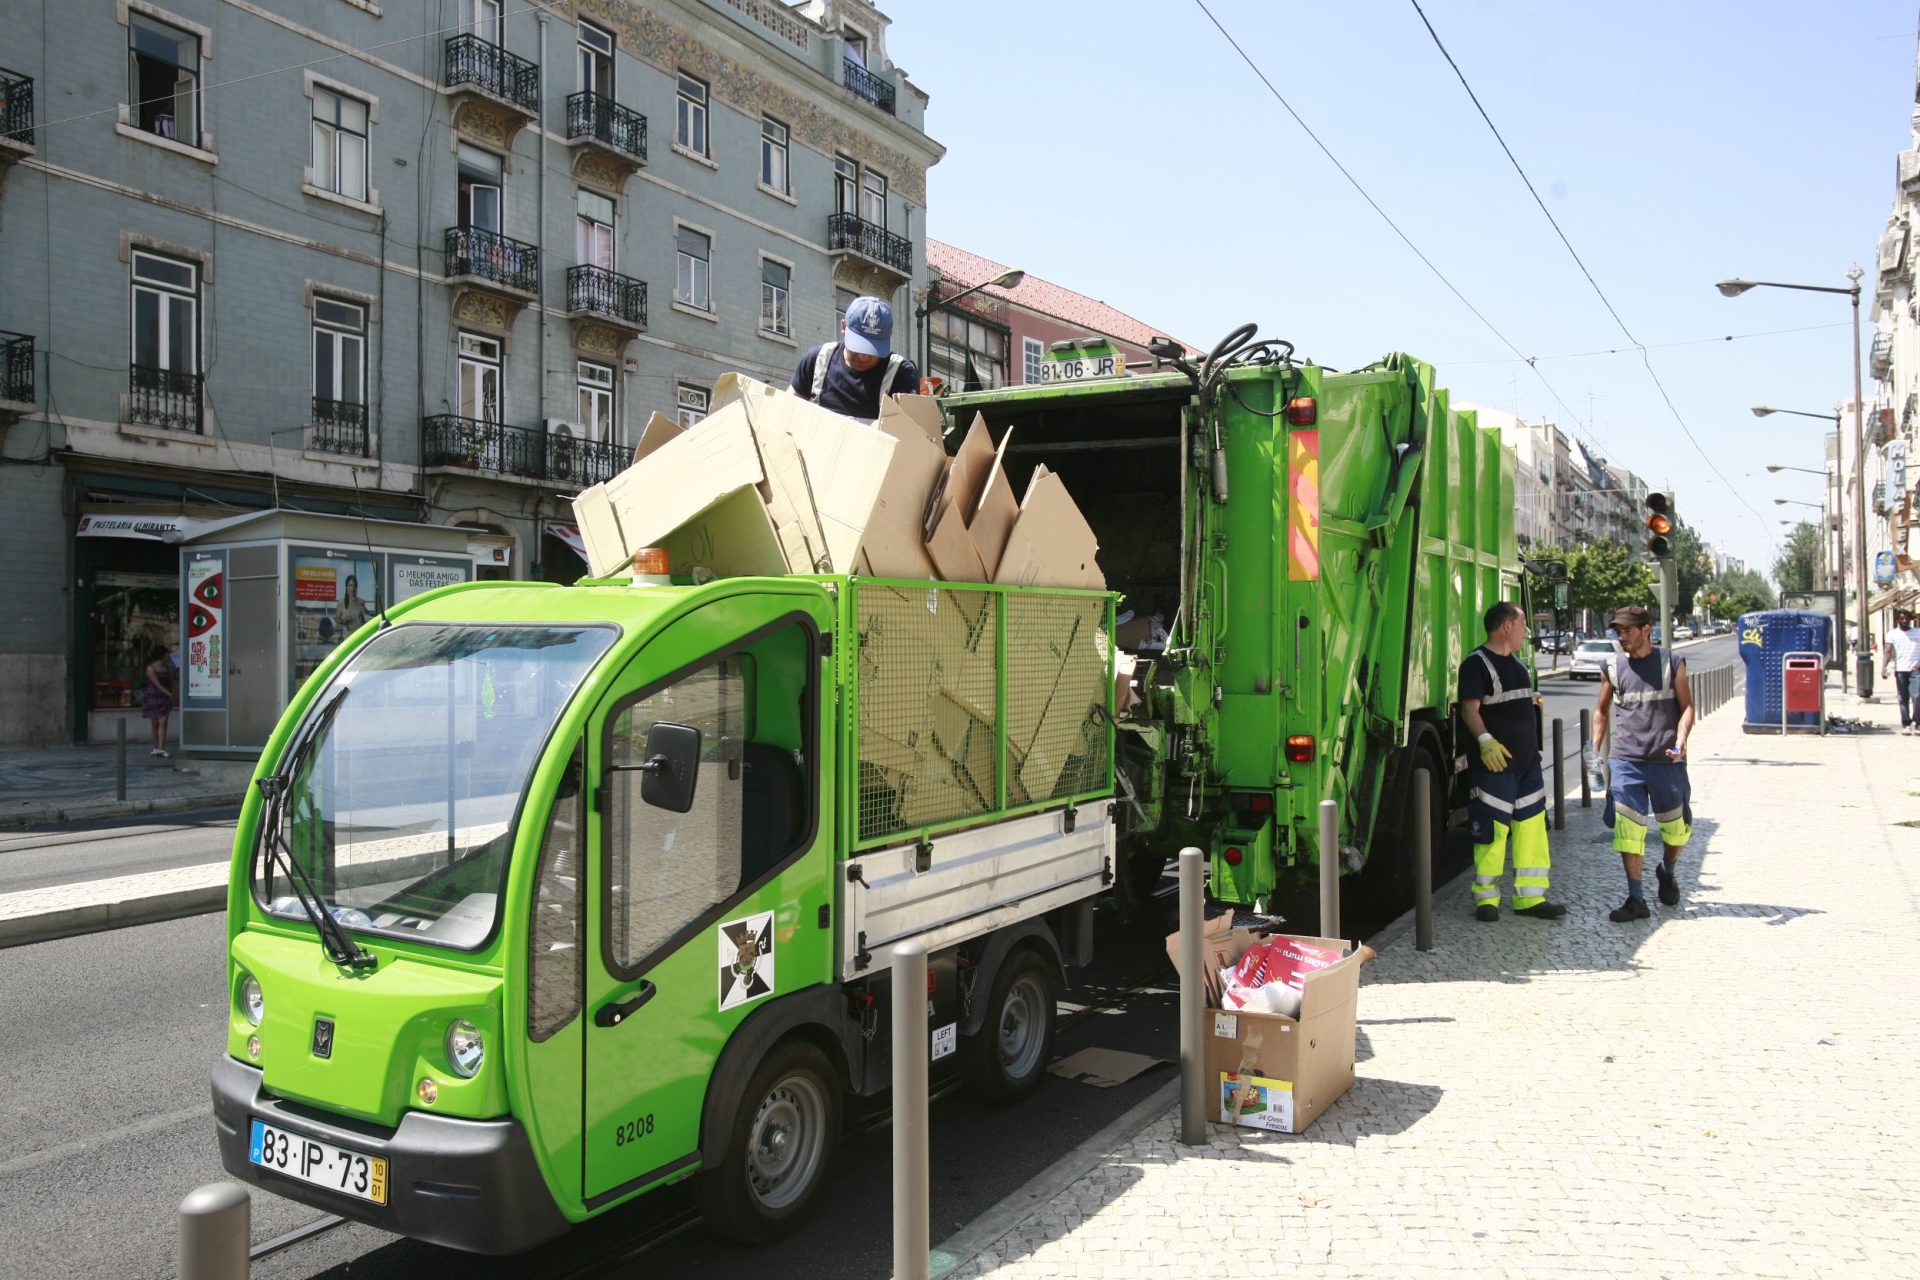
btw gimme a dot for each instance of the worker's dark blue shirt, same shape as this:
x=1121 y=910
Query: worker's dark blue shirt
x=1507 y=712
x=855 y=394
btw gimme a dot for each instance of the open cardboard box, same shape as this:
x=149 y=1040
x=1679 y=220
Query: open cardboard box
x=1270 y=1071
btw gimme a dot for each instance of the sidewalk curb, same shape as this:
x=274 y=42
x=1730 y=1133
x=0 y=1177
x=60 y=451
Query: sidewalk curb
x=92 y=810
x=974 y=1239
x=97 y=917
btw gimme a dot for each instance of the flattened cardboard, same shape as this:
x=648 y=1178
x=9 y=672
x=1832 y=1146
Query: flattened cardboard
x=973 y=464
x=789 y=497
x=994 y=515
x=895 y=541
x=847 y=462
x=659 y=429
x=1104 y=1068
x=1060 y=730
x=923 y=411
x=682 y=478
x=1051 y=544
x=951 y=547
x=733 y=538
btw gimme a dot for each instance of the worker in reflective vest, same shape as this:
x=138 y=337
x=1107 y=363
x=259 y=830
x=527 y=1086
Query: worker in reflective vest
x=1647 y=703
x=1509 y=799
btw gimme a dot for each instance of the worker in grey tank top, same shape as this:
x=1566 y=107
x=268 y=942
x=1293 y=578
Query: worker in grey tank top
x=1647 y=703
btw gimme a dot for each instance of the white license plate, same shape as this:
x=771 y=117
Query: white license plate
x=1082 y=368
x=945 y=1040
x=320 y=1164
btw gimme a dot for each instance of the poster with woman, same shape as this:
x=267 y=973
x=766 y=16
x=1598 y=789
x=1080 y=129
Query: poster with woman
x=334 y=593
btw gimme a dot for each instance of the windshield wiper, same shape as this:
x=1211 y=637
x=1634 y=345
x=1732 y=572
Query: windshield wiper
x=278 y=790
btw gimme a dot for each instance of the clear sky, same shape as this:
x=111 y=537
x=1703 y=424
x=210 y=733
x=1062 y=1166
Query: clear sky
x=1123 y=149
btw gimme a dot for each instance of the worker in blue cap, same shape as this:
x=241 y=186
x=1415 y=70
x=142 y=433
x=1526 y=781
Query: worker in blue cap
x=850 y=376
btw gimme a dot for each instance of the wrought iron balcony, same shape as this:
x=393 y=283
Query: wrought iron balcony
x=16 y=367
x=16 y=107
x=848 y=232
x=339 y=426
x=164 y=398
x=483 y=65
x=490 y=256
x=601 y=119
x=867 y=85
x=447 y=440
x=600 y=292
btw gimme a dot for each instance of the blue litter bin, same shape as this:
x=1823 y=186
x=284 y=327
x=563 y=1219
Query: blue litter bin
x=1766 y=638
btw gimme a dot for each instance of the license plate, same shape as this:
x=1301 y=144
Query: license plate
x=1083 y=367
x=319 y=1164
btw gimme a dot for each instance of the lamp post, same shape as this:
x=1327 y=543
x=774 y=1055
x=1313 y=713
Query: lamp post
x=1831 y=561
x=1005 y=280
x=1836 y=579
x=1863 y=652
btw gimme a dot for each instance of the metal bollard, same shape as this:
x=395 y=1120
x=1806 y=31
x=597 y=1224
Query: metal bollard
x=911 y=1237
x=1193 y=1001
x=120 y=764
x=1423 y=859
x=1559 y=774
x=215 y=1228
x=1586 y=737
x=1329 y=869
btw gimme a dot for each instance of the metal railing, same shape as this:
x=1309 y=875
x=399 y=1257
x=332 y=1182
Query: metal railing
x=448 y=440
x=607 y=293
x=772 y=17
x=590 y=115
x=867 y=85
x=489 y=255
x=850 y=231
x=164 y=398
x=16 y=106
x=16 y=367
x=339 y=426
x=486 y=66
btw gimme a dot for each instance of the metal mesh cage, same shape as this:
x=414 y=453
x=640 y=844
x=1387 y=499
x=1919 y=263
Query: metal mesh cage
x=1057 y=685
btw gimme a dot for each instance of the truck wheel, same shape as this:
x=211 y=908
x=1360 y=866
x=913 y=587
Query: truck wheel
x=777 y=1153
x=1004 y=1061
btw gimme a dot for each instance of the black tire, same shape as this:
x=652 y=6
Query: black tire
x=1006 y=1059
x=778 y=1150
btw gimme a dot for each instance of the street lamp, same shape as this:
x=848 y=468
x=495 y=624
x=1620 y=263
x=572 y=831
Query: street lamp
x=1833 y=579
x=1781 y=502
x=1007 y=279
x=1863 y=654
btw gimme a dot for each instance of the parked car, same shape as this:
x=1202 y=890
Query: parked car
x=1682 y=632
x=1591 y=658
x=1724 y=627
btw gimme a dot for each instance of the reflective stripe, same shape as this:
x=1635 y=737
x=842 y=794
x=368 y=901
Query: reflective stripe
x=1538 y=873
x=1638 y=697
x=822 y=363
x=1511 y=695
x=1492 y=802
x=1670 y=815
x=1535 y=798
x=1489 y=894
x=1637 y=818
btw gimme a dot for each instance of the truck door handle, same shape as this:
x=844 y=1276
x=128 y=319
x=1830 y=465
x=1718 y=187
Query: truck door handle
x=612 y=1015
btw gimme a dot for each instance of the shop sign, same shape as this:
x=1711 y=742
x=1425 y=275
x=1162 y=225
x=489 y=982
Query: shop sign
x=146 y=528
x=1883 y=567
x=205 y=612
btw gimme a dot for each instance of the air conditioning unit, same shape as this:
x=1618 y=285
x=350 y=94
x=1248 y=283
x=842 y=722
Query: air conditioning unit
x=565 y=459
x=561 y=429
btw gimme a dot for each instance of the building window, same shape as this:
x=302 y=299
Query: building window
x=480 y=173
x=163 y=79
x=966 y=352
x=479 y=378
x=846 y=184
x=773 y=154
x=696 y=262
x=842 y=299
x=339 y=351
x=691 y=403
x=481 y=18
x=690 y=125
x=776 y=289
x=856 y=46
x=593 y=230
x=1033 y=353
x=595 y=382
x=873 y=198
x=339 y=144
x=166 y=314
x=596 y=61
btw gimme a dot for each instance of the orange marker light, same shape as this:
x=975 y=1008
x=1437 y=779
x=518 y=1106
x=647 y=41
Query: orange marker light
x=1303 y=411
x=1300 y=748
x=651 y=560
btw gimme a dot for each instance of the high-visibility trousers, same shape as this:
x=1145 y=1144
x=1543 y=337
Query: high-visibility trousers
x=1643 y=793
x=1512 y=804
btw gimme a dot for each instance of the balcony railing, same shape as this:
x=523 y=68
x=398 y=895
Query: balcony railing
x=164 y=398
x=850 y=231
x=447 y=440
x=16 y=367
x=339 y=426
x=607 y=293
x=16 y=106
x=487 y=67
x=867 y=85
x=488 y=255
x=590 y=115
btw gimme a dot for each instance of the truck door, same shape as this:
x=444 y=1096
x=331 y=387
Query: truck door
x=698 y=914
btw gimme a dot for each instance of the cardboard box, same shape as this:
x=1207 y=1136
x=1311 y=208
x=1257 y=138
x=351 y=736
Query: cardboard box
x=895 y=542
x=733 y=538
x=1050 y=544
x=679 y=480
x=659 y=429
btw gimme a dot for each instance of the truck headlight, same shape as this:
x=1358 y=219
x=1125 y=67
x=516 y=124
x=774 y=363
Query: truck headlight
x=253 y=1003
x=465 y=1048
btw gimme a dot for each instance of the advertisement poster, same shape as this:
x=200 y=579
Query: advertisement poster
x=205 y=660
x=334 y=593
x=413 y=575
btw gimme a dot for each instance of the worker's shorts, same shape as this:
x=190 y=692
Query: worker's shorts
x=1503 y=799
x=1644 y=793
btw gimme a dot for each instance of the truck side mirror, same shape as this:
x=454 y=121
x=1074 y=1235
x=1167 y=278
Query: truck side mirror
x=671 y=766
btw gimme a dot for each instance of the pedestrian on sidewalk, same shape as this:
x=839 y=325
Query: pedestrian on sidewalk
x=851 y=375
x=157 y=700
x=1901 y=654
x=1648 y=760
x=1509 y=798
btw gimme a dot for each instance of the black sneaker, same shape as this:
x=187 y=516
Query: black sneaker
x=1631 y=909
x=1543 y=910
x=1486 y=913
x=1669 y=886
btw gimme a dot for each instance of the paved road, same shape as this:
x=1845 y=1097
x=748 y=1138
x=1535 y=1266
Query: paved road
x=35 y=857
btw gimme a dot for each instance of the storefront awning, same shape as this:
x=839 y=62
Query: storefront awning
x=145 y=528
x=570 y=534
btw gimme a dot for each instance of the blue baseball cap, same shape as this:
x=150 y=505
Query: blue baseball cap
x=869 y=327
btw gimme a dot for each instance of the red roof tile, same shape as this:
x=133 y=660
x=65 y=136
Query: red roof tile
x=958 y=267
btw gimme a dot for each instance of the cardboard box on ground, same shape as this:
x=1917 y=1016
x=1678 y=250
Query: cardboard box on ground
x=769 y=483
x=1267 y=1070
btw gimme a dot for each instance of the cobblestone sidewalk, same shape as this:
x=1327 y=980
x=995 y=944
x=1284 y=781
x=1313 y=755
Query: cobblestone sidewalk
x=1726 y=1089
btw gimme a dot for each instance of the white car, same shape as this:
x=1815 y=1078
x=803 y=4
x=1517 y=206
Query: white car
x=1591 y=658
x=1682 y=633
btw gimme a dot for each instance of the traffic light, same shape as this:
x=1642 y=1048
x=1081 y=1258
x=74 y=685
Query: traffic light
x=1659 y=526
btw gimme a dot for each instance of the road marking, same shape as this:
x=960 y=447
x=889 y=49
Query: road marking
x=165 y=1120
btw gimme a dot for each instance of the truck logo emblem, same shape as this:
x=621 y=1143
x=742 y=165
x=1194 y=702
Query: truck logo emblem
x=323 y=1037
x=746 y=959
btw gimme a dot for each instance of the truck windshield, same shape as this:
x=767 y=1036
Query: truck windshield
x=402 y=811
